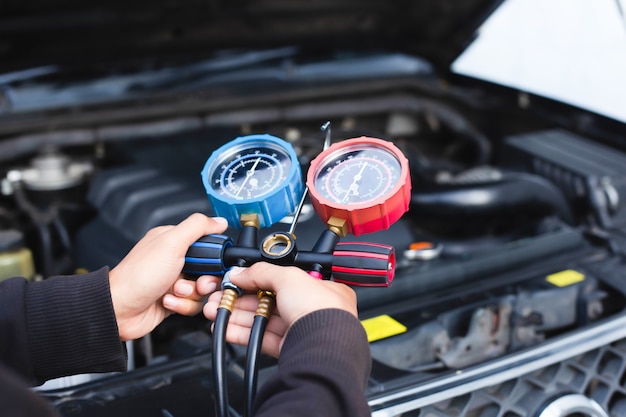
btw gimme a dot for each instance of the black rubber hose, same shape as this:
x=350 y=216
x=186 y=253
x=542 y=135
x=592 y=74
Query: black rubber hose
x=41 y=221
x=426 y=277
x=461 y=126
x=63 y=234
x=219 y=362
x=252 y=363
x=513 y=194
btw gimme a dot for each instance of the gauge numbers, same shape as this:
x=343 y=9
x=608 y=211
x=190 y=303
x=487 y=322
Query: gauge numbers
x=358 y=174
x=250 y=173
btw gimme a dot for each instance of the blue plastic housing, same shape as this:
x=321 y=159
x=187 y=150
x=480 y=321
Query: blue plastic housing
x=271 y=207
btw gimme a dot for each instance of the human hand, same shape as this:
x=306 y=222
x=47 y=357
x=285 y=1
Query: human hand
x=148 y=285
x=297 y=294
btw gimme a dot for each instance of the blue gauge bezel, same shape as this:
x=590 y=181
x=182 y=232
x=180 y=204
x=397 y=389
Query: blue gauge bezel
x=271 y=206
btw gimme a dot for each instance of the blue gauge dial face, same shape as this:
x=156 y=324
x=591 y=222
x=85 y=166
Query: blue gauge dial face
x=250 y=172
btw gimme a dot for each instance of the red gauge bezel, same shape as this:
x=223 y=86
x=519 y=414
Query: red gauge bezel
x=370 y=216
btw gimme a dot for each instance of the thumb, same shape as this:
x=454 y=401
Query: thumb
x=196 y=226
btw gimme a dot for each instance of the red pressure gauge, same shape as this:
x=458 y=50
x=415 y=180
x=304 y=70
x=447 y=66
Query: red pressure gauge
x=364 y=181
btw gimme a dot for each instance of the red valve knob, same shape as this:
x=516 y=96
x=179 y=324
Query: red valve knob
x=364 y=264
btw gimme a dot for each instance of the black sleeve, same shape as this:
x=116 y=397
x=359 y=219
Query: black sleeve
x=323 y=369
x=18 y=400
x=60 y=326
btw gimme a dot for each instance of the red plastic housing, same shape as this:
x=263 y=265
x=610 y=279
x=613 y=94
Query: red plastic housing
x=370 y=216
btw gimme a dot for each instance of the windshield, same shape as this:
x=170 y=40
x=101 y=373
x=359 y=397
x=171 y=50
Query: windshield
x=573 y=51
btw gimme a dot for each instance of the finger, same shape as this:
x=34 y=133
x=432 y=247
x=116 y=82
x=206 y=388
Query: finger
x=183 y=306
x=245 y=302
x=271 y=343
x=215 y=297
x=237 y=334
x=196 y=226
x=241 y=320
x=185 y=288
x=243 y=311
x=240 y=335
x=207 y=284
x=265 y=276
x=241 y=317
x=277 y=325
x=243 y=314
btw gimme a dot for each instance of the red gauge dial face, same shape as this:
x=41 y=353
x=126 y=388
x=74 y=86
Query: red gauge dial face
x=364 y=182
x=358 y=174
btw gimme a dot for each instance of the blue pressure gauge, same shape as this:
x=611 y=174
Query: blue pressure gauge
x=255 y=174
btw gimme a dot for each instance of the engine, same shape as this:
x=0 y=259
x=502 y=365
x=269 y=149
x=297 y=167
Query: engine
x=508 y=297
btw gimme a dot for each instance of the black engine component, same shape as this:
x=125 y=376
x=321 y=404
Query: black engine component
x=513 y=194
x=592 y=176
x=130 y=201
x=495 y=326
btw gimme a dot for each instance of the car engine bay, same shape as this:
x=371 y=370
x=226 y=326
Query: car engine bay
x=508 y=297
x=513 y=243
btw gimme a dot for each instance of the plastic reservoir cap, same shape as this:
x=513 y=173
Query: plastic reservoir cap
x=15 y=259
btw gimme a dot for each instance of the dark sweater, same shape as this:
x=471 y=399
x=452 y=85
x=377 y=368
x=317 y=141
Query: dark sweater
x=323 y=369
x=61 y=326
x=66 y=325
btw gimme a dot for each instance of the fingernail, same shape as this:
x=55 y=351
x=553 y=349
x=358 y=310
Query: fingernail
x=210 y=287
x=184 y=289
x=235 y=270
x=169 y=301
x=221 y=220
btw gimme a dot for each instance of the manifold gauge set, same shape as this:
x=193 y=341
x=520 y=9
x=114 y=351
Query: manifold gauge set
x=356 y=186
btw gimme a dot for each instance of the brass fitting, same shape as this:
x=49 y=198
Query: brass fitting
x=229 y=296
x=277 y=245
x=337 y=226
x=267 y=301
x=250 y=219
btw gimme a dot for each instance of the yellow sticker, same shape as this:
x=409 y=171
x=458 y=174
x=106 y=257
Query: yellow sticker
x=382 y=327
x=565 y=278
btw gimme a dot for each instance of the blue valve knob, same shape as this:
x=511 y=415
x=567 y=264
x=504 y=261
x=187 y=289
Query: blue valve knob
x=206 y=255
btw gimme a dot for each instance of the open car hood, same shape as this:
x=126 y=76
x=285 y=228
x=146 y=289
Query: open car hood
x=88 y=34
x=569 y=52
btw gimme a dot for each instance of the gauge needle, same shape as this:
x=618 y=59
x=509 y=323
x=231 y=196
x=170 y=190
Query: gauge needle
x=354 y=187
x=249 y=173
